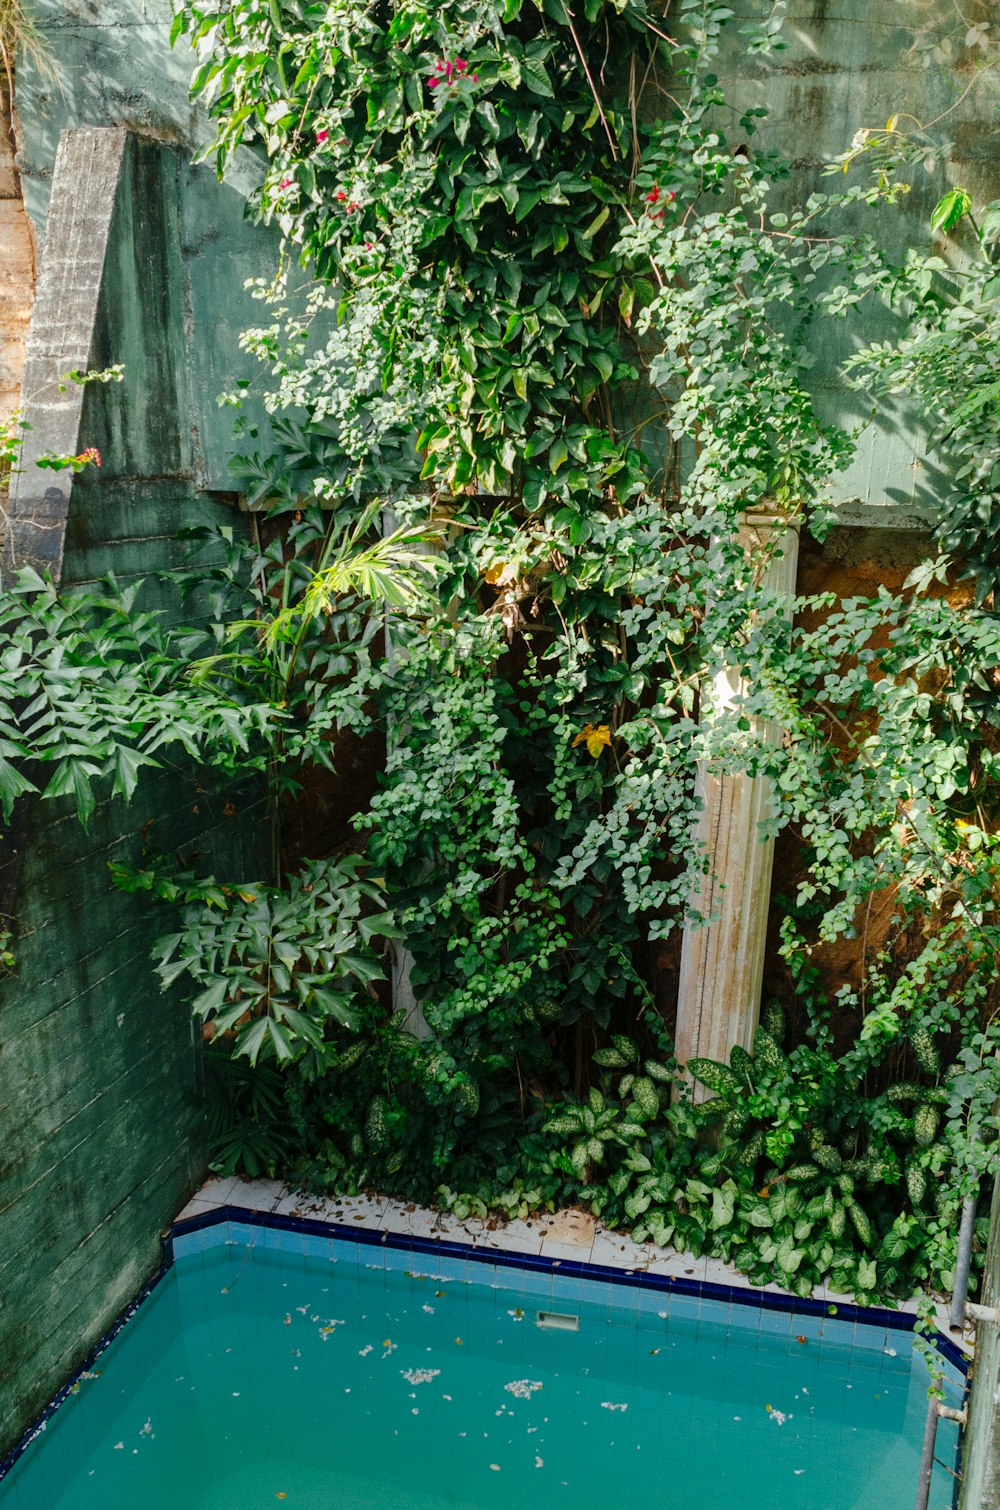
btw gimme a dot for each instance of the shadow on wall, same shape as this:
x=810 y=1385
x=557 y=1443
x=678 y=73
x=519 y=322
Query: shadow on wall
x=114 y=66
x=98 y=1070
x=851 y=66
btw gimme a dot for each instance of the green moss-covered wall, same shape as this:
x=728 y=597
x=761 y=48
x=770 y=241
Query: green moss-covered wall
x=98 y=1070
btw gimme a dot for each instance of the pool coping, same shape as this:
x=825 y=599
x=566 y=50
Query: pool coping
x=201 y=1214
x=40 y=1422
x=753 y=1298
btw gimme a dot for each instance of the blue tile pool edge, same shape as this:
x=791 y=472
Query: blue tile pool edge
x=501 y=1259
x=39 y=1424
x=758 y=1299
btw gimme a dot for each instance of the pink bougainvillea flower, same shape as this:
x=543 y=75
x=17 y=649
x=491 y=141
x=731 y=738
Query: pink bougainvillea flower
x=285 y=183
x=450 y=72
x=340 y=194
x=321 y=136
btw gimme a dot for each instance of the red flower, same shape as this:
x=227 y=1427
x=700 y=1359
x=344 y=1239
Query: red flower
x=91 y=454
x=321 y=136
x=653 y=194
x=450 y=71
x=341 y=194
x=285 y=183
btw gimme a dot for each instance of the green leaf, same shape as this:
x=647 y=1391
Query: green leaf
x=950 y=209
x=12 y=785
x=533 y=73
x=212 y=998
x=717 y=1077
x=127 y=764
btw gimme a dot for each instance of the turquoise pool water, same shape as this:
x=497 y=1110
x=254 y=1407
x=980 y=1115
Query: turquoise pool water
x=321 y=1375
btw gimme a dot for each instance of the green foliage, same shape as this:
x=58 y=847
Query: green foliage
x=553 y=349
x=946 y=362
x=241 y=1116
x=276 y=968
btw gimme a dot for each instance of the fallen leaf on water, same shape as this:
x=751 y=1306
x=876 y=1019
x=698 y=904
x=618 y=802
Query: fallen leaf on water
x=801 y=1339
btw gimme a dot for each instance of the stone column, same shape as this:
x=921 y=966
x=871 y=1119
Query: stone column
x=17 y=265
x=722 y=962
x=981 y=1448
x=401 y=960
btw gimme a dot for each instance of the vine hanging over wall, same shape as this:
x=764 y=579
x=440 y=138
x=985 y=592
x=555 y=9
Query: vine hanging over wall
x=536 y=306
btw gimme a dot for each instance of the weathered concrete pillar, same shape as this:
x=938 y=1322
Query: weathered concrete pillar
x=88 y=167
x=17 y=266
x=401 y=959
x=981 y=1450
x=722 y=962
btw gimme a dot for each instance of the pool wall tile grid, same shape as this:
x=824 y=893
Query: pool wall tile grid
x=643 y=1298
x=10 y=1458
x=771 y=1310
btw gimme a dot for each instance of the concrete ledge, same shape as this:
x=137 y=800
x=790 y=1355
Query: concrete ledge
x=570 y=1236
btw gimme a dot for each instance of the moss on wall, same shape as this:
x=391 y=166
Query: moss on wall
x=98 y=1070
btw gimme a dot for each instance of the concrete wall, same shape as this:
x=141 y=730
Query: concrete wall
x=144 y=261
x=851 y=64
x=98 y=1069
x=848 y=64
x=111 y=65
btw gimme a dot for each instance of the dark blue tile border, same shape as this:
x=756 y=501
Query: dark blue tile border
x=9 y=1459
x=753 y=1299
x=881 y=1316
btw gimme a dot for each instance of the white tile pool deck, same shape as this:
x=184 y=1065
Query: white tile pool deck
x=569 y=1235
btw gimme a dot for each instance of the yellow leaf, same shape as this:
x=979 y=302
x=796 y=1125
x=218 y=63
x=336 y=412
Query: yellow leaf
x=500 y=574
x=595 y=737
x=892 y=123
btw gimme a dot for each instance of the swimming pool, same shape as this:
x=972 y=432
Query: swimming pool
x=274 y=1366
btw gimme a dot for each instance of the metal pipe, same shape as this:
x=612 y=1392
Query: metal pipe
x=963 y=1263
x=927 y=1456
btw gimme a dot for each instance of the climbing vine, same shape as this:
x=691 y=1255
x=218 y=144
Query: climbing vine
x=538 y=342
